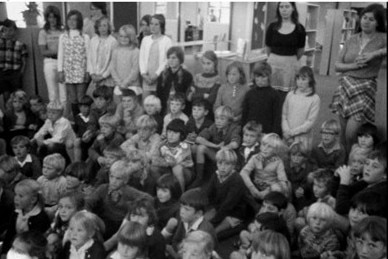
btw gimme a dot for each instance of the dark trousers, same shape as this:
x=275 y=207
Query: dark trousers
x=10 y=81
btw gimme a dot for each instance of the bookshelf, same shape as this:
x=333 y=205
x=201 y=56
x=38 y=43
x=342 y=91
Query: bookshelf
x=340 y=25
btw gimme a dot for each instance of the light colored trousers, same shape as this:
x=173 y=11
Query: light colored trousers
x=56 y=91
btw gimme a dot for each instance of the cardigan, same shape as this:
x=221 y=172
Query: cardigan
x=232 y=96
x=164 y=44
x=97 y=49
x=30 y=167
x=96 y=251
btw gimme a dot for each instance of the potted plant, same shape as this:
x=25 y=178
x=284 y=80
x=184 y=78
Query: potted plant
x=31 y=14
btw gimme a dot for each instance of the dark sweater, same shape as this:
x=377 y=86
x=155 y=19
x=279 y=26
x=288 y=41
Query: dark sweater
x=321 y=159
x=96 y=251
x=156 y=245
x=32 y=169
x=98 y=146
x=80 y=126
x=241 y=161
x=6 y=209
x=165 y=211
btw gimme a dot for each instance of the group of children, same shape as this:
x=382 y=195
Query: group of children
x=170 y=176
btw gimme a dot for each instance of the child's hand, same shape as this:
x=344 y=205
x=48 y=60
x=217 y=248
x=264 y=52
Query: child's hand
x=171 y=225
x=87 y=136
x=192 y=136
x=39 y=141
x=219 y=146
x=101 y=160
x=100 y=137
x=32 y=127
x=205 y=96
x=61 y=77
x=252 y=227
x=299 y=193
x=344 y=173
x=86 y=77
x=171 y=160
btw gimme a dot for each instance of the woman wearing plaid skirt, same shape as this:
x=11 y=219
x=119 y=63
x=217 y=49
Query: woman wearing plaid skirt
x=359 y=62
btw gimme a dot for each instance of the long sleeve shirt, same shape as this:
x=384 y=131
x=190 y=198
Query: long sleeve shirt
x=52 y=189
x=60 y=131
x=100 y=55
x=125 y=66
x=232 y=96
x=164 y=44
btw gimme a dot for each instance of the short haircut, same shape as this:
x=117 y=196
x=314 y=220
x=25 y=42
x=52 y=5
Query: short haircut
x=9 y=164
x=202 y=240
x=137 y=155
x=370 y=203
x=152 y=99
x=226 y=155
x=130 y=31
x=178 y=51
x=271 y=243
x=178 y=125
x=55 y=105
x=262 y=69
x=169 y=181
x=103 y=92
x=37 y=98
x=195 y=198
x=308 y=72
x=98 y=22
x=86 y=100
x=369 y=129
x=331 y=126
x=380 y=155
x=133 y=234
x=35 y=243
x=253 y=126
x=146 y=204
x=240 y=69
x=146 y=122
x=109 y=119
x=33 y=188
x=21 y=140
x=274 y=222
x=9 y=24
x=128 y=93
x=298 y=148
x=276 y=142
x=178 y=97
x=80 y=21
x=55 y=160
x=90 y=221
x=77 y=198
x=224 y=111
x=121 y=168
x=201 y=102
x=277 y=199
x=325 y=176
x=162 y=21
x=375 y=226
x=322 y=210
x=78 y=170
x=114 y=150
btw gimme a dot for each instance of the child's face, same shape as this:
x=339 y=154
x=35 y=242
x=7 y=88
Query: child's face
x=17 y=104
x=20 y=248
x=173 y=61
x=365 y=141
x=188 y=214
x=225 y=168
x=66 y=209
x=109 y=159
x=145 y=133
x=328 y=137
x=72 y=22
x=35 y=106
x=23 y=199
x=106 y=130
x=176 y=107
x=297 y=158
x=155 y=26
x=192 y=251
x=123 y=38
x=355 y=216
x=319 y=189
x=268 y=207
x=116 y=181
x=374 y=171
x=266 y=150
x=52 y=20
x=150 y=108
x=163 y=194
x=72 y=182
x=78 y=234
x=221 y=121
x=103 y=28
x=369 y=249
x=318 y=224
x=20 y=151
x=262 y=80
x=356 y=164
x=207 y=65
x=128 y=102
x=49 y=171
x=140 y=216
x=233 y=76
x=127 y=252
x=54 y=115
x=85 y=110
x=250 y=138
x=100 y=103
x=8 y=32
x=199 y=112
x=173 y=137
x=302 y=82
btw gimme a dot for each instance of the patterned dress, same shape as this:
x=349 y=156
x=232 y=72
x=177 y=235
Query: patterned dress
x=74 y=59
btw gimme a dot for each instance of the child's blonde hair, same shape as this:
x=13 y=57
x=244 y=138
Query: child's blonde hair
x=226 y=155
x=121 y=168
x=133 y=234
x=130 y=31
x=321 y=210
x=357 y=152
x=240 y=69
x=93 y=225
x=274 y=140
x=109 y=119
x=34 y=188
x=269 y=242
x=137 y=155
x=224 y=111
x=147 y=122
x=21 y=96
x=331 y=126
x=55 y=160
x=201 y=241
x=55 y=106
x=152 y=99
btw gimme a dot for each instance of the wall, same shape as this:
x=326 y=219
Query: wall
x=241 y=22
x=322 y=19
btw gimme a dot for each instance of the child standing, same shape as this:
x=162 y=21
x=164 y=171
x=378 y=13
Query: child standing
x=174 y=79
x=176 y=104
x=233 y=92
x=174 y=154
x=12 y=59
x=250 y=145
x=262 y=102
x=29 y=213
x=152 y=106
x=198 y=120
x=72 y=59
x=267 y=167
x=300 y=110
x=29 y=164
x=329 y=153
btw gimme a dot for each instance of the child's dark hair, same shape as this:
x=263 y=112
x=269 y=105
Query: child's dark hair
x=369 y=129
x=86 y=100
x=262 y=69
x=177 y=97
x=369 y=203
x=201 y=102
x=80 y=22
x=98 y=23
x=375 y=226
x=78 y=170
x=243 y=78
x=22 y=140
x=325 y=176
x=169 y=181
x=9 y=24
x=298 y=148
x=133 y=234
x=36 y=243
x=103 y=92
x=77 y=198
x=253 y=126
x=178 y=51
x=9 y=164
x=307 y=71
x=135 y=208
x=57 y=14
x=38 y=98
x=273 y=221
x=277 y=199
x=114 y=150
x=162 y=21
x=194 y=198
x=178 y=125
x=128 y=93
x=381 y=155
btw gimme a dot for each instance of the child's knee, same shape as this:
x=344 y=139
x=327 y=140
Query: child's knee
x=201 y=149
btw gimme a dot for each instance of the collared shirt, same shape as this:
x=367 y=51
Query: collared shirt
x=224 y=178
x=11 y=54
x=80 y=253
x=28 y=159
x=194 y=226
x=249 y=150
x=60 y=131
x=85 y=119
x=22 y=219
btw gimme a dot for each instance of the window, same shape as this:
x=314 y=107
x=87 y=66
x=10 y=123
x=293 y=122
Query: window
x=161 y=7
x=15 y=9
x=219 y=10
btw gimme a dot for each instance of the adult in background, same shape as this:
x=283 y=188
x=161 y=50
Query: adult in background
x=98 y=10
x=285 y=40
x=48 y=41
x=153 y=54
x=144 y=29
x=359 y=62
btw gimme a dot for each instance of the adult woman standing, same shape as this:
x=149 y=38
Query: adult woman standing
x=144 y=28
x=98 y=10
x=285 y=40
x=48 y=41
x=359 y=62
x=153 y=54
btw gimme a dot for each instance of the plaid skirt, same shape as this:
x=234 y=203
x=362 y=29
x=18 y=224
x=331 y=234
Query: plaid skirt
x=355 y=97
